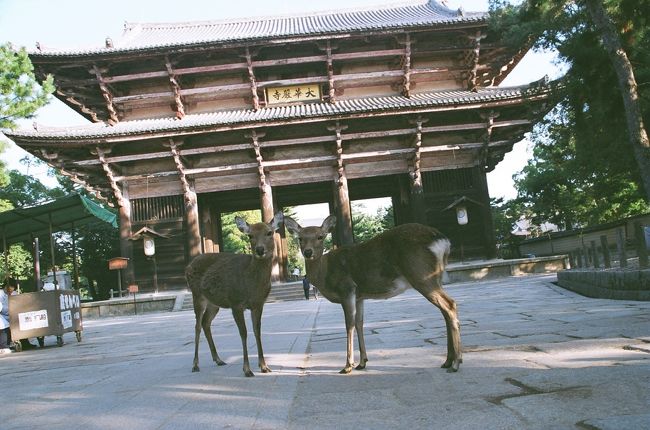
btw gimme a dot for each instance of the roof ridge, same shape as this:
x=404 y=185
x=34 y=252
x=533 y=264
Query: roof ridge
x=384 y=5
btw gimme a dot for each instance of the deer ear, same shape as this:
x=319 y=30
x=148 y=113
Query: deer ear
x=292 y=226
x=328 y=223
x=242 y=225
x=277 y=220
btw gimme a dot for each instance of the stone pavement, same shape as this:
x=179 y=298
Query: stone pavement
x=535 y=357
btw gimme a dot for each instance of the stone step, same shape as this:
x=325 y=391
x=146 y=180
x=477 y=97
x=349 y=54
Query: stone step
x=280 y=292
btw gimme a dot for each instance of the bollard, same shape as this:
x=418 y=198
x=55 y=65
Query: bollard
x=620 y=244
x=594 y=253
x=641 y=249
x=572 y=260
x=111 y=291
x=607 y=259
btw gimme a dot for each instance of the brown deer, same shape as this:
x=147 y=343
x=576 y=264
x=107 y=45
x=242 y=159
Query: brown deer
x=407 y=256
x=235 y=281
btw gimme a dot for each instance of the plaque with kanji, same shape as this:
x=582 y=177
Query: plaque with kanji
x=292 y=94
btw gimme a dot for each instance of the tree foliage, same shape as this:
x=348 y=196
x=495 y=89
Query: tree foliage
x=583 y=169
x=20 y=95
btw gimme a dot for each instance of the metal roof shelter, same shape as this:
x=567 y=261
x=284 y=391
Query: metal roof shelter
x=25 y=224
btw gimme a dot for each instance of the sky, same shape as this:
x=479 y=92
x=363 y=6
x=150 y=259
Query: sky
x=68 y=24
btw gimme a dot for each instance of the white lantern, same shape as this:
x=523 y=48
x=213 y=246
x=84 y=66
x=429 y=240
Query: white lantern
x=149 y=246
x=461 y=215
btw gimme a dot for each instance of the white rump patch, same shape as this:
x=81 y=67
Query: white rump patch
x=439 y=248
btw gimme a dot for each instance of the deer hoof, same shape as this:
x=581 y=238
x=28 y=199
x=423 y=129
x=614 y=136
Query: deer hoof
x=452 y=365
x=346 y=370
x=265 y=370
x=248 y=373
x=195 y=369
x=220 y=363
x=361 y=365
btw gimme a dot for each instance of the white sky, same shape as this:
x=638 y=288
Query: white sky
x=67 y=24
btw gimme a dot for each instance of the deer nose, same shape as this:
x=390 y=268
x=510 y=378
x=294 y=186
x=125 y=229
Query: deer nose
x=260 y=251
x=308 y=253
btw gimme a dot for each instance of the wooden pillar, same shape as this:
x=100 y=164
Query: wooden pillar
x=486 y=215
x=266 y=201
x=208 y=232
x=284 y=252
x=418 y=211
x=342 y=208
x=37 y=262
x=126 y=244
x=191 y=203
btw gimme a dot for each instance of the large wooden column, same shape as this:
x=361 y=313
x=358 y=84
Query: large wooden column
x=342 y=209
x=191 y=205
x=486 y=211
x=486 y=214
x=418 y=211
x=266 y=202
x=121 y=195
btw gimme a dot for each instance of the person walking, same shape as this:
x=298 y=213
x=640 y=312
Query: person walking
x=306 y=286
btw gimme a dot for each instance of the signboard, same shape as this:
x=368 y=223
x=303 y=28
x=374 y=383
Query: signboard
x=133 y=289
x=292 y=94
x=118 y=263
x=32 y=319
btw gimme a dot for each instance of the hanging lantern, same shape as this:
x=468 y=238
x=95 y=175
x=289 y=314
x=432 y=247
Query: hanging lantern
x=461 y=215
x=149 y=246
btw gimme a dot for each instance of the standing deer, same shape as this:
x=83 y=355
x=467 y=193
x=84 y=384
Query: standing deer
x=407 y=256
x=235 y=281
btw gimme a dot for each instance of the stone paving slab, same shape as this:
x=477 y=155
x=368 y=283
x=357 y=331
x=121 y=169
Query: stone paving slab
x=535 y=357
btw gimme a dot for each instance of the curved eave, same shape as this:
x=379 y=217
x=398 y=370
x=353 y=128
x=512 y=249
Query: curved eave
x=200 y=123
x=241 y=119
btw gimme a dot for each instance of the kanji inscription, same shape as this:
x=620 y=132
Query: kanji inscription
x=293 y=93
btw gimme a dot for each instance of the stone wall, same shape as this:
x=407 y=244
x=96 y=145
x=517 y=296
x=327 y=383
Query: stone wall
x=631 y=284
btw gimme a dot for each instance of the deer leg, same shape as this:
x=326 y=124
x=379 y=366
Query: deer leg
x=349 y=311
x=358 y=323
x=208 y=316
x=448 y=308
x=256 y=316
x=199 y=310
x=238 y=314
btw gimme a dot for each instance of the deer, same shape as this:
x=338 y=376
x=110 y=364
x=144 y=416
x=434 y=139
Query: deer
x=235 y=281
x=406 y=256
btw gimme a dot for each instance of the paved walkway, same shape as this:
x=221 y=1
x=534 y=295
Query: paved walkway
x=535 y=357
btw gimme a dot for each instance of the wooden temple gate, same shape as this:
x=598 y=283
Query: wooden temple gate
x=192 y=120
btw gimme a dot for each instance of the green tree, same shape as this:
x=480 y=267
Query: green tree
x=20 y=94
x=585 y=168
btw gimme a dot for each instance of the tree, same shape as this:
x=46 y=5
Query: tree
x=20 y=95
x=585 y=168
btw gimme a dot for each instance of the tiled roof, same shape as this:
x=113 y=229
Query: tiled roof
x=439 y=99
x=139 y=36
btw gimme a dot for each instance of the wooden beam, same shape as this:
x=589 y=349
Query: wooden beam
x=251 y=78
x=117 y=192
x=108 y=97
x=472 y=84
x=176 y=89
x=406 y=59
x=330 y=73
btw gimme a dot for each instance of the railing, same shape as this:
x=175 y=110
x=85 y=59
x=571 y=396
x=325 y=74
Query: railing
x=600 y=256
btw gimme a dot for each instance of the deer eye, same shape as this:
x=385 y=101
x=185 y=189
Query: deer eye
x=321 y=237
x=250 y=236
x=270 y=233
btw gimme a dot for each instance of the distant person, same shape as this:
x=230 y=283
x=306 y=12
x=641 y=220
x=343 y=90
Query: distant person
x=305 y=287
x=296 y=273
x=8 y=288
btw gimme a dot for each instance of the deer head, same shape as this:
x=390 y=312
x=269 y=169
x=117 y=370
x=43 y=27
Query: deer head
x=311 y=238
x=260 y=235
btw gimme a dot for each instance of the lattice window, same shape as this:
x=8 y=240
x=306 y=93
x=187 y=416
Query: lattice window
x=448 y=180
x=157 y=208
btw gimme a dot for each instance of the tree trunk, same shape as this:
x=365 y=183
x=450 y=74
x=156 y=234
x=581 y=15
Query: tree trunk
x=628 y=87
